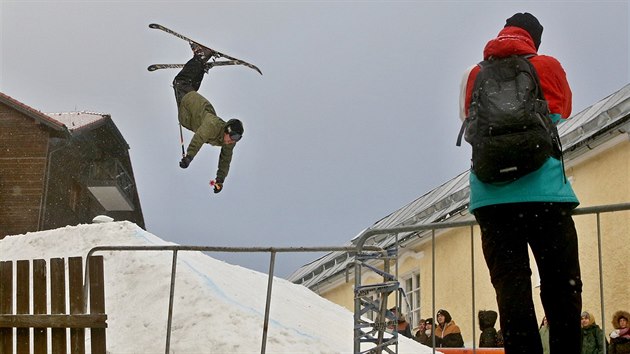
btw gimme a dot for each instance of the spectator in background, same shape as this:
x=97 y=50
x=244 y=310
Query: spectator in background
x=592 y=335
x=420 y=329
x=447 y=333
x=620 y=337
x=544 y=335
x=489 y=335
x=426 y=337
x=403 y=326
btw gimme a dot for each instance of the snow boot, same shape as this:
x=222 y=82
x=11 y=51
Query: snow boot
x=202 y=53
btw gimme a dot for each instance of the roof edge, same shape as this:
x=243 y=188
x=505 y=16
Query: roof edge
x=32 y=113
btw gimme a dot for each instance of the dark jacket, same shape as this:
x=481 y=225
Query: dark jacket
x=423 y=337
x=448 y=335
x=198 y=115
x=592 y=340
x=488 y=337
x=621 y=344
x=405 y=329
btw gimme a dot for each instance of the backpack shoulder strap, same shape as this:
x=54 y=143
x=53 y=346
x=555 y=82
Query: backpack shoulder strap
x=461 y=131
x=527 y=58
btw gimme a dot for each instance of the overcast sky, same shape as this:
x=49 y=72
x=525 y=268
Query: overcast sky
x=355 y=116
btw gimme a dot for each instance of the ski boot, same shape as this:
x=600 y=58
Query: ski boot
x=202 y=53
x=209 y=65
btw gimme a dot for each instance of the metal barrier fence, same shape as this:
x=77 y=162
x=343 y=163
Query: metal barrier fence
x=176 y=249
x=365 y=235
x=360 y=308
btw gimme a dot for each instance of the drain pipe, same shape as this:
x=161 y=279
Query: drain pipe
x=44 y=199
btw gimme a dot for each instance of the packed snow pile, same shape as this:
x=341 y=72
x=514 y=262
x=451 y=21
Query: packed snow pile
x=218 y=307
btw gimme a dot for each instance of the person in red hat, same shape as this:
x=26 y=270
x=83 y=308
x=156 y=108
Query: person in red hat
x=533 y=210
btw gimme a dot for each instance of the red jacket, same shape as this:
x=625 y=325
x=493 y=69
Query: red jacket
x=553 y=79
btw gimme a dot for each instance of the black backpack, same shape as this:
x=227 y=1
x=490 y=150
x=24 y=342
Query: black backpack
x=508 y=125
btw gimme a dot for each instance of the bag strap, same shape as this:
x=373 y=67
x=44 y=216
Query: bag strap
x=461 y=131
x=467 y=119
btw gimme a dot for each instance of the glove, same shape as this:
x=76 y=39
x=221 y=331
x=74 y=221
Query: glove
x=185 y=162
x=217 y=184
x=614 y=334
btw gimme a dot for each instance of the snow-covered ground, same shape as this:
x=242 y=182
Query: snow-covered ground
x=218 y=307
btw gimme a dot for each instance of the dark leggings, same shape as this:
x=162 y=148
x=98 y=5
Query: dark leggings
x=188 y=79
x=548 y=229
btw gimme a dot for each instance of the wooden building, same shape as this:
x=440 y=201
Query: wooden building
x=62 y=169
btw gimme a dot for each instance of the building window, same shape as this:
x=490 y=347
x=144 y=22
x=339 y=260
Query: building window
x=411 y=305
x=75 y=195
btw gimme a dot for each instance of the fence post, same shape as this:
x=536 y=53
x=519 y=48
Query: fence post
x=601 y=282
x=97 y=302
x=272 y=263
x=22 y=337
x=6 y=304
x=75 y=287
x=58 y=302
x=171 y=299
x=40 y=335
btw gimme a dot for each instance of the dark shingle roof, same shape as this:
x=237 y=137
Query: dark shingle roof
x=32 y=113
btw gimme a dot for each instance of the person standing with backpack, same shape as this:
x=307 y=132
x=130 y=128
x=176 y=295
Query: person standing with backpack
x=519 y=193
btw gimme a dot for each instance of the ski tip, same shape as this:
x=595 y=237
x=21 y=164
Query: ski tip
x=154 y=25
x=152 y=68
x=252 y=66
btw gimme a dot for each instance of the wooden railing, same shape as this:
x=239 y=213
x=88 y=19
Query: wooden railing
x=26 y=307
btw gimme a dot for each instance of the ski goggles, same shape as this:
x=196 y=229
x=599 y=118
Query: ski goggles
x=235 y=136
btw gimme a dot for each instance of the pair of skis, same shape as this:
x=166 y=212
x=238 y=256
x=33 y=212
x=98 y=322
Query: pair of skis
x=216 y=55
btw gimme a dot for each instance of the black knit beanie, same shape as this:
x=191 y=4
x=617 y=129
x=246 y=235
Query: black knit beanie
x=529 y=23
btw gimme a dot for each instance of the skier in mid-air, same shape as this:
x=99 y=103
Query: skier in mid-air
x=197 y=114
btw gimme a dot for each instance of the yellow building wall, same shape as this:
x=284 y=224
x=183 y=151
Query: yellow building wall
x=454 y=278
x=342 y=295
x=603 y=180
x=600 y=180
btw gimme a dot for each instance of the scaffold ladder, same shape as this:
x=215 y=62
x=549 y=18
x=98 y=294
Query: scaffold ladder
x=371 y=316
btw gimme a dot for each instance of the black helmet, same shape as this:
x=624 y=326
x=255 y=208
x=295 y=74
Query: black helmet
x=234 y=128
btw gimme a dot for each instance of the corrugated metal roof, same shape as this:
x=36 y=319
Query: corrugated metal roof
x=595 y=118
x=427 y=206
x=449 y=199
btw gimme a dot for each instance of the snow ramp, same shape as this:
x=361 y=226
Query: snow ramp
x=218 y=307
